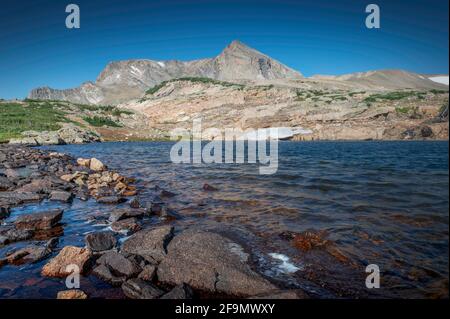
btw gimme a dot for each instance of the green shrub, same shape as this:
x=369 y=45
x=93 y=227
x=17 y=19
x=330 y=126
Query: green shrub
x=101 y=121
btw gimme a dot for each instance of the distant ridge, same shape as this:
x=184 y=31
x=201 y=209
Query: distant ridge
x=124 y=80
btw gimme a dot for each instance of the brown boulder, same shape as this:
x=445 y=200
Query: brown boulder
x=39 y=221
x=69 y=255
x=71 y=294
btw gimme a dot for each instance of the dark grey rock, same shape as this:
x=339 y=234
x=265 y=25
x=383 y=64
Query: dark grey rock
x=100 y=241
x=125 y=213
x=182 y=291
x=62 y=196
x=139 y=289
x=119 y=266
x=4 y=212
x=126 y=226
x=149 y=243
x=111 y=200
x=103 y=272
x=210 y=262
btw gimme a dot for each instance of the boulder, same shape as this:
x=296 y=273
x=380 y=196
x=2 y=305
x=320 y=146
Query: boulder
x=182 y=291
x=61 y=196
x=210 y=262
x=100 y=241
x=104 y=273
x=149 y=243
x=39 y=221
x=71 y=294
x=29 y=254
x=119 y=266
x=139 y=289
x=126 y=226
x=69 y=255
x=86 y=162
x=96 y=165
x=148 y=273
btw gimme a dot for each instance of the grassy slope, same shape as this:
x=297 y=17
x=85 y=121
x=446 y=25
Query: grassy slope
x=36 y=115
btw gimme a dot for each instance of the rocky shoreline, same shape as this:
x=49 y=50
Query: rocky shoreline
x=156 y=261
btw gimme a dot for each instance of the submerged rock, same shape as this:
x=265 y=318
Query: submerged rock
x=139 y=289
x=39 y=221
x=149 y=243
x=209 y=188
x=210 y=262
x=69 y=255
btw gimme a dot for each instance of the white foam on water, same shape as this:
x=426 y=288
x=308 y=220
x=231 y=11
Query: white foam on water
x=286 y=266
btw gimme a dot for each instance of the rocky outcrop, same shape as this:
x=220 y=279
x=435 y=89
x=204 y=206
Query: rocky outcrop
x=68 y=134
x=210 y=262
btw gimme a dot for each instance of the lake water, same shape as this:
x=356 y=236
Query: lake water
x=383 y=203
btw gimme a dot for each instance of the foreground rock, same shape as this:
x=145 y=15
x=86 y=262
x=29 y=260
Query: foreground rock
x=31 y=254
x=210 y=262
x=69 y=255
x=71 y=294
x=119 y=265
x=182 y=291
x=139 y=289
x=149 y=243
x=39 y=221
x=100 y=241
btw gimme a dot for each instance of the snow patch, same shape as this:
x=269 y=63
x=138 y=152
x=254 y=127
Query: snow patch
x=161 y=64
x=440 y=79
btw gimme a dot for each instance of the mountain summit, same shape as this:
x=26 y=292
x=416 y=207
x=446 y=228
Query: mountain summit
x=124 y=80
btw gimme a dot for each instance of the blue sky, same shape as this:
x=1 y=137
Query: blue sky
x=314 y=37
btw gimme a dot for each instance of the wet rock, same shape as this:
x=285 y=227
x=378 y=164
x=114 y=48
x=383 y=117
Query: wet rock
x=139 y=289
x=69 y=255
x=135 y=203
x=29 y=254
x=182 y=291
x=169 y=214
x=100 y=241
x=4 y=212
x=61 y=196
x=120 y=214
x=104 y=273
x=96 y=165
x=19 y=197
x=111 y=200
x=149 y=243
x=18 y=173
x=39 y=221
x=119 y=266
x=210 y=262
x=71 y=294
x=155 y=207
x=165 y=193
x=126 y=226
x=148 y=273
x=209 y=188
x=11 y=234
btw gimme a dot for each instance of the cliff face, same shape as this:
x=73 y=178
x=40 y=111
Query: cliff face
x=125 y=80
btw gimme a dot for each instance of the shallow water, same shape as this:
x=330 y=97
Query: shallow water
x=383 y=203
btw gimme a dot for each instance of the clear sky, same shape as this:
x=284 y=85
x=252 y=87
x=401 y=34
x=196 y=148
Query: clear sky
x=314 y=37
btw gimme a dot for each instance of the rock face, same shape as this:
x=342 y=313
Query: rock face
x=69 y=255
x=39 y=221
x=149 y=243
x=125 y=80
x=210 y=262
